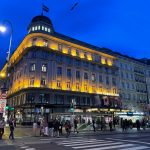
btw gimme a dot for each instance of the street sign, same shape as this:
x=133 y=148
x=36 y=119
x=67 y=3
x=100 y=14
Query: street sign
x=2 y=102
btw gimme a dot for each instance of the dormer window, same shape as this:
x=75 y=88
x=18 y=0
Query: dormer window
x=46 y=29
x=35 y=27
x=39 y=27
x=42 y=27
x=32 y=28
x=49 y=30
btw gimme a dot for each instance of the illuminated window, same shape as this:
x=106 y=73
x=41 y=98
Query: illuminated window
x=44 y=68
x=86 y=76
x=77 y=74
x=49 y=30
x=93 y=89
x=68 y=73
x=77 y=86
x=101 y=89
x=85 y=55
x=39 y=27
x=42 y=27
x=31 y=81
x=69 y=50
x=43 y=81
x=32 y=28
x=45 y=43
x=77 y=52
x=68 y=85
x=114 y=91
x=46 y=29
x=35 y=27
x=58 y=84
x=32 y=67
x=60 y=47
x=85 y=87
x=34 y=41
x=93 y=77
x=59 y=71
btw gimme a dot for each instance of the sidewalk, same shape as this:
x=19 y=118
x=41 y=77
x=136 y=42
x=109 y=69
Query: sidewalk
x=28 y=132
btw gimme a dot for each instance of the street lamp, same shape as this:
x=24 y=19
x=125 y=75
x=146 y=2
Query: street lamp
x=3 y=29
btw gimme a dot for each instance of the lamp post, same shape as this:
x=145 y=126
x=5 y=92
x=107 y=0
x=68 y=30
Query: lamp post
x=3 y=29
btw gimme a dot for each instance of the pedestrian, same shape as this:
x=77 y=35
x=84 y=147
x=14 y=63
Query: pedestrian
x=56 y=128
x=93 y=122
x=60 y=128
x=12 y=127
x=51 y=128
x=110 y=125
x=75 y=126
x=67 y=128
x=2 y=125
x=138 y=125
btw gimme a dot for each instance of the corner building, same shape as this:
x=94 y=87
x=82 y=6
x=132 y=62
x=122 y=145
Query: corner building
x=48 y=71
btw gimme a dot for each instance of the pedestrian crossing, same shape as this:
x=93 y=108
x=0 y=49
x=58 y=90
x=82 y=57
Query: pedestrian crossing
x=96 y=144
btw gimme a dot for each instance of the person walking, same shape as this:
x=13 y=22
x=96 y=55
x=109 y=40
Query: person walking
x=93 y=122
x=110 y=125
x=12 y=127
x=75 y=126
x=2 y=125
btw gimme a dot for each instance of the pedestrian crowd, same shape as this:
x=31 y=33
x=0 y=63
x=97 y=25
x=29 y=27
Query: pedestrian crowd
x=54 y=128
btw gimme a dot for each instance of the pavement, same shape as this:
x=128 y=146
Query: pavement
x=21 y=131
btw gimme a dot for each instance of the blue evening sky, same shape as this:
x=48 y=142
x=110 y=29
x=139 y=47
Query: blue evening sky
x=120 y=25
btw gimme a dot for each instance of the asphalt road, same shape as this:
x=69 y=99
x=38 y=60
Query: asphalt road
x=136 y=141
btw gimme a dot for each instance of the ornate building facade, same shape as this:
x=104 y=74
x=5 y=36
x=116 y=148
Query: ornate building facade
x=48 y=71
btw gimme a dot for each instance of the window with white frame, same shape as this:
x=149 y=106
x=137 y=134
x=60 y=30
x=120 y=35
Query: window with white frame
x=93 y=77
x=32 y=67
x=44 y=67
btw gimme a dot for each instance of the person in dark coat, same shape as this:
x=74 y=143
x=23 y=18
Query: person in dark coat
x=75 y=126
x=110 y=125
x=93 y=123
x=12 y=127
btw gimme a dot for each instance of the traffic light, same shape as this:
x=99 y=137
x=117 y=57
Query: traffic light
x=6 y=107
x=12 y=108
x=9 y=107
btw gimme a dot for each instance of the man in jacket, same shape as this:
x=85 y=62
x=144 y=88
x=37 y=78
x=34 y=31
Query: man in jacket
x=2 y=125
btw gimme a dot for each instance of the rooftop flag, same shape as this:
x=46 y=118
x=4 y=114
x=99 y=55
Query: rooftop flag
x=45 y=8
x=72 y=8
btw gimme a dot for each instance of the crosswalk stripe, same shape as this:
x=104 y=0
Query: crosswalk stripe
x=89 y=143
x=23 y=147
x=136 y=148
x=78 y=141
x=96 y=145
x=111 y=147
